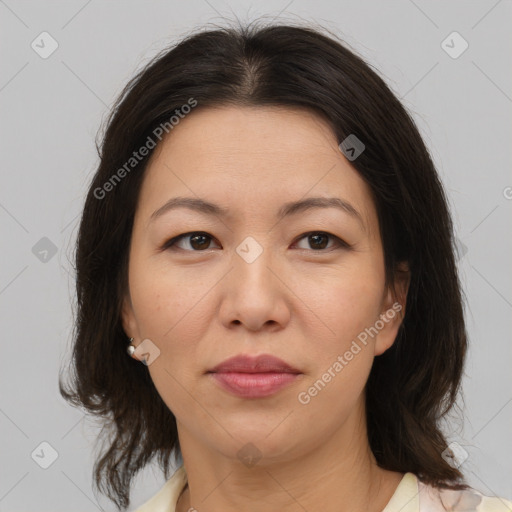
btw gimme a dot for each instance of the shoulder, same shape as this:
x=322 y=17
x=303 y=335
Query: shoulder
x=432 y=499
x=166 y=498
x=413 y=495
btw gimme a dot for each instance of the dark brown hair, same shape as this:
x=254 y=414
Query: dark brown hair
x=414 y=384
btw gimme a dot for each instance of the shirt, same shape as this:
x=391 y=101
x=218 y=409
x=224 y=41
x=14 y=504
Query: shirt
x=411 y=495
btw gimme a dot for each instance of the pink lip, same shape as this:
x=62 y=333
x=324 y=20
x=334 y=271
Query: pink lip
x=263 y=363
x=254 y=377
x=253 y=385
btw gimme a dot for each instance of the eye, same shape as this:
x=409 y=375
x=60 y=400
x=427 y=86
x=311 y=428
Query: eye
x=196 y=240
x=319 y=240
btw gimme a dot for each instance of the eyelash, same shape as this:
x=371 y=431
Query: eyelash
x=169 y=244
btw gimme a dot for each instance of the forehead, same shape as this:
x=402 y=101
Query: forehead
x=262 y=132
x=255 y=157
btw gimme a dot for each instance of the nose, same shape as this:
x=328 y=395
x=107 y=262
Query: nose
x=255 y=295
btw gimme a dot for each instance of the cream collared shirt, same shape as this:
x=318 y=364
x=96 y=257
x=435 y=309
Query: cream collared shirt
x=411 y=495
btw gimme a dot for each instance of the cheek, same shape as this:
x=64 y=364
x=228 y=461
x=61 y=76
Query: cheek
x=163 y=299
x=342 y=350
x=173 y=310
x=168 y=307
x=345 y=301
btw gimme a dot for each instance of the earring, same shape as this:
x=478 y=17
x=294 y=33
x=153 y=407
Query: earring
x=131 y=348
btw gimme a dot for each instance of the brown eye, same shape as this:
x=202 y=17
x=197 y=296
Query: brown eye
x=198 y=241
x=319 y=240
x=193 y=242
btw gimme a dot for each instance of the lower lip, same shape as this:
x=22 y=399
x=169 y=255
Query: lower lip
x=254 y=385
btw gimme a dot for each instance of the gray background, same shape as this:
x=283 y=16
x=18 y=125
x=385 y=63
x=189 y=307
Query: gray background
x=51 y=111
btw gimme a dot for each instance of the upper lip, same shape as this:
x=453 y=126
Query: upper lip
x=264 y=363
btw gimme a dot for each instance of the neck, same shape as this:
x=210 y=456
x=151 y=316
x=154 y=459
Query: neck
x=338 y=474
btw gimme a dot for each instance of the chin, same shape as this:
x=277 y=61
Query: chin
x=256 y=442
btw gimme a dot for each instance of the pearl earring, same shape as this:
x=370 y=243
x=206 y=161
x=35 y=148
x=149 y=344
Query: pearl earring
x=131 y=348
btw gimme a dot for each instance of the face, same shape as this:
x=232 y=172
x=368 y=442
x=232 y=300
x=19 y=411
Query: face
x=307 y=287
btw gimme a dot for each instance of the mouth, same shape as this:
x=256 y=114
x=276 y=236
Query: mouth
x=264 y=363
x=254 y=377
x=253 y=385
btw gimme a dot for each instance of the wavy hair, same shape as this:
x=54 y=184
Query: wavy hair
x=414 y=384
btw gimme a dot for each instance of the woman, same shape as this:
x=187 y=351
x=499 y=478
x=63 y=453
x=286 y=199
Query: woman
x=268 y=233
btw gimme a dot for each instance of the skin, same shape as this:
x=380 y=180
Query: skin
x=302 y=301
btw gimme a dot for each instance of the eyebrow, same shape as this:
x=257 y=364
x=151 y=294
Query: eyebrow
x=288 y=209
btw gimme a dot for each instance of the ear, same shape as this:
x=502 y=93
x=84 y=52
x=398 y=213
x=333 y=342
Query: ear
x=128 y=319
x=393 y=309
x=129 y=322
